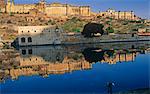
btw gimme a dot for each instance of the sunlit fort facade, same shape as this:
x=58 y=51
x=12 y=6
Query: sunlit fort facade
x=53 y=9
x=119 y=14
x=58 y=9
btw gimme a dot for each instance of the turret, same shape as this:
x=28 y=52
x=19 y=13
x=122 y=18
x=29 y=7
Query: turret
x=42 y=5
x=132 y=15
x=8 y=6
x=12 y=6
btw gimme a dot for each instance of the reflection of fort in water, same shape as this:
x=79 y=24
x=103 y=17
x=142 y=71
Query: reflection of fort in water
x=59 y=60
x=44 y=61
x=109 y=56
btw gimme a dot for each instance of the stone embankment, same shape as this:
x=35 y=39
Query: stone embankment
x=79 y=39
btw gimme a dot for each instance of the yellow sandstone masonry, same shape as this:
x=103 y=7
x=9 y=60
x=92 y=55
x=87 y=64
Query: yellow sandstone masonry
x=54 y=9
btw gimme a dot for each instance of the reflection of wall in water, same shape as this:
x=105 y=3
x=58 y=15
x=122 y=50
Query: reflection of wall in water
x=49 y=54
x=108 y=56
x=37 y=61
x=44 y=68
x=120 y=57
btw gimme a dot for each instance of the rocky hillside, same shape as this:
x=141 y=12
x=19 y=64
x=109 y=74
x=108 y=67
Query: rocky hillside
x=74 y=24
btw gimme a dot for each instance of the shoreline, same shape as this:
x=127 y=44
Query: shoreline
x=79 y=39
x=93 y=42
x=106 y=41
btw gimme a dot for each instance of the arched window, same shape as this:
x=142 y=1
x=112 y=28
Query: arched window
x=132 y=35
x=23 y=52
x=29 y=39
x=23 y=40
x=30 y=51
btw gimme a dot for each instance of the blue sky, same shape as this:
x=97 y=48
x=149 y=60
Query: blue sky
x=140 y=7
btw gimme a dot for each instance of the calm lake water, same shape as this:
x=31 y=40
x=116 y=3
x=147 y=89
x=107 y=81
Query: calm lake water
x=80 y=69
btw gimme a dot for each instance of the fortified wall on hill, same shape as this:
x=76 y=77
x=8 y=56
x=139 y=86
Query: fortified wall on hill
x=61 y=10
x=54 y=9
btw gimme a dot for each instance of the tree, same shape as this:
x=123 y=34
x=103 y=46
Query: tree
x=92 y=28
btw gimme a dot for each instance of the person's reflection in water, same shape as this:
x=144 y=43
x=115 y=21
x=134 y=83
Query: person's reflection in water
x=109 y=86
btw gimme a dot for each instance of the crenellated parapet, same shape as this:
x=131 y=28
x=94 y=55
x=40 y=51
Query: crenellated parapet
x=53 y=9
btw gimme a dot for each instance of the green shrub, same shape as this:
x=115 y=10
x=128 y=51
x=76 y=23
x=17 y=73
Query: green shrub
x=52 y=22
x=12 y=37
x=107 y=22
x=125 y=23
x=110 y=30
x=76 y=30
x=5 y=46
x=73 y=25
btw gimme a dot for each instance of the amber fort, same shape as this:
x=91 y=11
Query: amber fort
x=54 y=9
x=60 y=10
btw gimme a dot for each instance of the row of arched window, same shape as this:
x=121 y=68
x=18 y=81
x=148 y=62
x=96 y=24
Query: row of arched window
x=24 y=52
x=29 y=31
x=23 y=40
x=56 y=29
x=22 y=12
